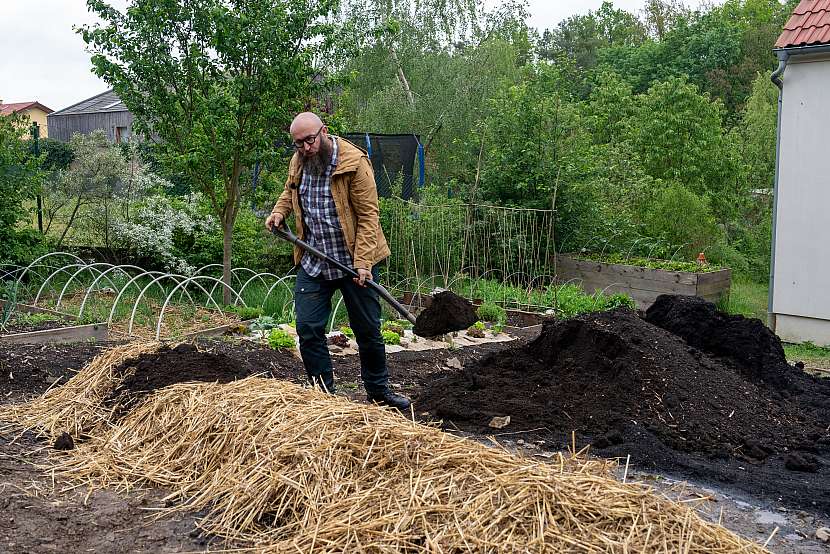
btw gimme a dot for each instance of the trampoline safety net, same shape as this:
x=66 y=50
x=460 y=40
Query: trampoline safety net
x=393 y=157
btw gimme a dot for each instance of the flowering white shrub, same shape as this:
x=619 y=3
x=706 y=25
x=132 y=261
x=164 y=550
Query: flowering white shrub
x=151 y=230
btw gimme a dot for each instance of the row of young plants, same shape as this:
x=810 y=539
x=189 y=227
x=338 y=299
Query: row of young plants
x=649 y=263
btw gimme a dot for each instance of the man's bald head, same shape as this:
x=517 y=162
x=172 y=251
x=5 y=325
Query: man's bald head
x=305 y=124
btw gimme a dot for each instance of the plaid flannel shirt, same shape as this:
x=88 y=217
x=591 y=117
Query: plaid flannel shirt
x=322 y=226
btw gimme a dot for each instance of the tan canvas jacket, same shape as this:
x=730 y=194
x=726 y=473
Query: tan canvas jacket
x=355 y=198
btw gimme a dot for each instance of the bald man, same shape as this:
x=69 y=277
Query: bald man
x=331 y=191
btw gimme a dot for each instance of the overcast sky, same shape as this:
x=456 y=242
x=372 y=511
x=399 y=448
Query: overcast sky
x=43 y=59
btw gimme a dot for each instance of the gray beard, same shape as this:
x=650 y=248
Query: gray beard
x=317 y=164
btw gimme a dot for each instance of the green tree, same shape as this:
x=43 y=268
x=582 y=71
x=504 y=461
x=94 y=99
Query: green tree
x=580 y=37
x=755 y=134
x=610 y=107
x=452 y=84
x=401 y=29
x=536 y=152
x=678 y=135
x=684 y=219
x=57 y=154
x=216 y=82
x=87 y=188
x=20 y=179
x=662 y=15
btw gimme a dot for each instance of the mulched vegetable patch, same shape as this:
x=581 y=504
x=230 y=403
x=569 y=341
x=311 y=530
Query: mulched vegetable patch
x=27 y=370
x=722 y=406
x=19 y=323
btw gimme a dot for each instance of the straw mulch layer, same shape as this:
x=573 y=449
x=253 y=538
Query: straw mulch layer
x=112 y=383
x=291 y=469
x=79 y=404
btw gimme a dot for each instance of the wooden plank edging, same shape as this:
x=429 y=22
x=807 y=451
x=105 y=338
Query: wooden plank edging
x=76 y=333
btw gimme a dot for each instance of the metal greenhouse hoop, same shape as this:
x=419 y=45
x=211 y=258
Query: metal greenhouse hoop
x=117 y=267
x=134 y=279
x=184 y=284
x=89 y=267
x=63 y=269
x=155 y=281
x=50 y=254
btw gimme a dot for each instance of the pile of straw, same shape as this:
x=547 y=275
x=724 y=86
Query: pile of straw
x=288 y=469
x=78 y=405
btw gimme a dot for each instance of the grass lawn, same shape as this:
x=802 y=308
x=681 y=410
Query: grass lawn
x=750 y=299
x=747 y=299
x=813 y=356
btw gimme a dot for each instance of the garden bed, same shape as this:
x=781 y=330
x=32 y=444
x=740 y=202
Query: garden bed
x=31 y=324
x=643 y=284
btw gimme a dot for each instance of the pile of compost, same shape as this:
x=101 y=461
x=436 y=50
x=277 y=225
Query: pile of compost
x=448 y=312
x=745 y=344
x=180 y=364
x=710 y=394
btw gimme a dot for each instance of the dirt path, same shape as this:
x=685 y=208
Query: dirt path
x=37 y=518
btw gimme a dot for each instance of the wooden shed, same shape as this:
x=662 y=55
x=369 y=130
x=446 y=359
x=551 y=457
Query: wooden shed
x=104 y=111
x=800 y=274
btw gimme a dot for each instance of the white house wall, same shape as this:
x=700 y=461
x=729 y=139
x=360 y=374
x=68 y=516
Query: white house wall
x=802 y=248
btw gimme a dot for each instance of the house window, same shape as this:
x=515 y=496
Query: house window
x=122 y=134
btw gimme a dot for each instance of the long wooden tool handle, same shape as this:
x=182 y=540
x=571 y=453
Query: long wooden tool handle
x=286 y=234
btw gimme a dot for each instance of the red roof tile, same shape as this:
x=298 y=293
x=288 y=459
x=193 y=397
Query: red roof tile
x=808 y=25
x=7 y=109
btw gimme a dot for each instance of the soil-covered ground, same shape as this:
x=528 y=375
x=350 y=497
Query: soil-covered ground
x=610 y=369
x=722 y=407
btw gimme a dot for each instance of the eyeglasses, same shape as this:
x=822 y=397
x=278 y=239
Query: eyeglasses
x=309 y=139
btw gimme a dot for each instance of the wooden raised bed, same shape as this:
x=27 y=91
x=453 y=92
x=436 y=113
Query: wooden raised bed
x=642 y=284
x=68 y=333
x=75 y=333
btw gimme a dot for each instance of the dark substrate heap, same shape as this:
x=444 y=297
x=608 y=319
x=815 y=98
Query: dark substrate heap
x=180 y=364
x=747 y=345
x=448 y=312
x=708 y=409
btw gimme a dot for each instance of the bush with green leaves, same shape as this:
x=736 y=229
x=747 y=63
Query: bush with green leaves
x=393 y=326
x=491 y=312
x=571 y=301
x=254 y=247
x=279 y=340
x=346 y=330
x=20 y=180
x=245 y=312
x=651 y=263
x=684 y=218
x=160 y=231
x=390 y=337
x=263 y=323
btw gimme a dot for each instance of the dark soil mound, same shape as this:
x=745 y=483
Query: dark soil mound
x=168 y=366
x=448 y=312
x=630 y=387
x=756 y=351
x=746 y=344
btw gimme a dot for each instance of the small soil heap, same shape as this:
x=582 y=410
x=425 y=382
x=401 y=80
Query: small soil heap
x=448 y=312
x=631 y=387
